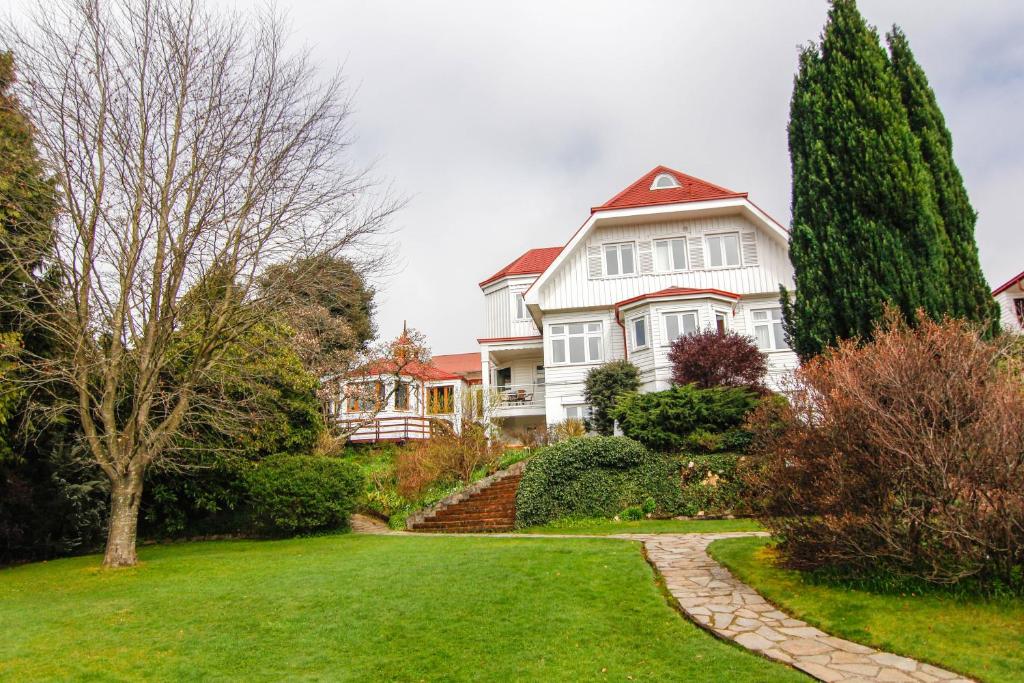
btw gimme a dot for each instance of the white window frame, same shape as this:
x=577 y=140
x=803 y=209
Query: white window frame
x=618 y=248
x=584 y=411
x=775 y=331
x=724 y=317
x=672 y=182
x=673 y=267
x=722 y=250
x=681 y=313
x=643 y=320
x=520 y=312
x=561 y=336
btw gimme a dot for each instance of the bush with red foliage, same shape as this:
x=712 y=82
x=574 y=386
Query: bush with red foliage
x=718 y=359
x=901 y=457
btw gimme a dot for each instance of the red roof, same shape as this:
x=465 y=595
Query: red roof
x=457 y=363
x=533 y=262
x=675 y=291
x=413 y=369
x=1009 y=283
x=690 y=190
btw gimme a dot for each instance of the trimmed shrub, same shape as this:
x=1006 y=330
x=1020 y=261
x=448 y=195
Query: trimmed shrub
x=292 y=494
x=604 y=385
x=902 y=457
x=594 y=477
x=713 y=485
x=718 y=359
x=685 y=417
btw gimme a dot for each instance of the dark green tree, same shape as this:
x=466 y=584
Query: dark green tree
x=866 y=229
x=604 y=384
x=971 y=295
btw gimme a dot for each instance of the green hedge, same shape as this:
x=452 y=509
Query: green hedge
x=293 y=494
x=595 y=477
x=686 y=418
x=712 y=484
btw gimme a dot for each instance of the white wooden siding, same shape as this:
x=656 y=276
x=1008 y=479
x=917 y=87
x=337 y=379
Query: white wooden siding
x=1007 y=311
x=575 y=286
x=500 y=309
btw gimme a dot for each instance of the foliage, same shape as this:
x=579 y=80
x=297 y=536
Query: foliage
x=569 y=428
x=713 y=485
x=445 y=458
x=603 y=385
x=710 y=358
x=528 y=610
x=293 y=494
x=866 y=227
x=971 y=297
x=902 y=456
x=976 y=636
x=603 y=526
x=667 y=420
x=593 y=477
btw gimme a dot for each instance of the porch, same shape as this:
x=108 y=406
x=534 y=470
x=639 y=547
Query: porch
x=513 y=374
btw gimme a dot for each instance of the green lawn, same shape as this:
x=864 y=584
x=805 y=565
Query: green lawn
x=980 y=638
x=360 y=608
x=604 y=527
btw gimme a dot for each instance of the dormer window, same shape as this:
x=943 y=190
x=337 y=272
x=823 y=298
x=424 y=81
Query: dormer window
x=664 y=181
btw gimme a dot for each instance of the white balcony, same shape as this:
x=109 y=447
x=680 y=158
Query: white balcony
x=519 y=399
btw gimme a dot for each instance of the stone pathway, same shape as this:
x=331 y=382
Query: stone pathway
x=712 y=597
x=365 y=524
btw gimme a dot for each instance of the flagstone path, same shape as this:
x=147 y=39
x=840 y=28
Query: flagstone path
x=712 y=597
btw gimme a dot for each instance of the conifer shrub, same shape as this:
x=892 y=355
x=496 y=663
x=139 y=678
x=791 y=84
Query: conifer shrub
x=902 y=457
x=603 y=387
x=595 y=477
x=294 y=494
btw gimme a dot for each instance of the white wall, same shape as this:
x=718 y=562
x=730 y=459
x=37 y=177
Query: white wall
x=500 y=309
x=1007 y=310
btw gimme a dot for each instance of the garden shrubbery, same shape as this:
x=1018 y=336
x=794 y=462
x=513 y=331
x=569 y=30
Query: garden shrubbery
x=686 y=418
x=292 y=494
x=713 y=485
x=595 y=477
x=902 y=457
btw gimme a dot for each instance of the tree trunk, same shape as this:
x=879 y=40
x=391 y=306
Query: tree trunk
x=125 y=496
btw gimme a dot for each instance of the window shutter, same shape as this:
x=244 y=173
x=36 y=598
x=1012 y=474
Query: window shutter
x=594 y=262
x=749 y=246
x=646 y=257
x=697 y=253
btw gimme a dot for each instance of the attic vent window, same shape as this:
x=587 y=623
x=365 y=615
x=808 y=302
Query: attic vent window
x=664 y=181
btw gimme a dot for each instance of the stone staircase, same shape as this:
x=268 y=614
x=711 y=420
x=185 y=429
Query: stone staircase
x=489 y=505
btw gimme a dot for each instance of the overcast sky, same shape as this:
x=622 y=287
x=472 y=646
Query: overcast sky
x=504 y=122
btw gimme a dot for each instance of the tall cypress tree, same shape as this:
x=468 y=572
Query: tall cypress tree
x=971 y=295
x=866 y=229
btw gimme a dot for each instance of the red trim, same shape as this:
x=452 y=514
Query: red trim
x=689 y=189
x=1006 y=285
x=770 y=217
x=640 y=205
x=508 y=339
x=674 y=292
x=533 y=262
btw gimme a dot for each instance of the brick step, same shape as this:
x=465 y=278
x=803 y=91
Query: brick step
x=493 y=507
x=468 y=524
x=467 y=530
x=464 y=516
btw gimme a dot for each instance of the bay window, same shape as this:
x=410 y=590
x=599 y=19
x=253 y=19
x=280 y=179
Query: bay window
x=638 y=329
x=679 y=323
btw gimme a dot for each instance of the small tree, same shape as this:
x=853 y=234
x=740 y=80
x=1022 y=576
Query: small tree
x=715 y=359
x=604 y=384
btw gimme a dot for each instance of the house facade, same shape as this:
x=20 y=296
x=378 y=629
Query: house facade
x=669 y=255
x=1010 y=297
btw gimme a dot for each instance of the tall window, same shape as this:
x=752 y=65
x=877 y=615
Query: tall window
x=638 y=327
x=678 y=324
x=365 y=396
x=721 y=323
x=538 y=376
x=670 y=255
x=618 y=259
x=768 y=329
x=441 y=400
x=402 y=396
x=576 y=343
x=521 y=313
x=723 y=250
x=1018 y=308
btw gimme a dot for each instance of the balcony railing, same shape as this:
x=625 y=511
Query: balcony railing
x=510 y=396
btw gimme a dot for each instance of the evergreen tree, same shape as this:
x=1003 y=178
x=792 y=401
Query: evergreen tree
x=971 y=295
x=866 y=229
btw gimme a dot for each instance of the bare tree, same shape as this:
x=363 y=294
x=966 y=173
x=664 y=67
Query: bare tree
x=185 y=143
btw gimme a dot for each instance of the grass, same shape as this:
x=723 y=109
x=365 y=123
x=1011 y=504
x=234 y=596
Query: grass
x=360 y=608
x=981 y=638
x=603 y=527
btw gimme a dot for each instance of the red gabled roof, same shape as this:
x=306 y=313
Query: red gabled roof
x=413 y=369
x=1009 y=283
x=533 y=262
x=675 y=291
x=690 y=190
x=457 y=363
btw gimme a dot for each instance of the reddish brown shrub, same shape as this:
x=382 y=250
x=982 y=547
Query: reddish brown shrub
x=445 y=458
x=904 y=456
x=716 y=359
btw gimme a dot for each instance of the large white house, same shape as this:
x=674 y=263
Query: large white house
x=668 y=255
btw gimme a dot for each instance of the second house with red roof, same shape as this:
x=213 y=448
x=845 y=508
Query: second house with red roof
x=669 y=255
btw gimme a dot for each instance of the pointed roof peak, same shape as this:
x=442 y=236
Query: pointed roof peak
x=650 y=189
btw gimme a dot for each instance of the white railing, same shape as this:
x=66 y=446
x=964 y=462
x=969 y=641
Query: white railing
x=510 y=396
x=386 y=428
